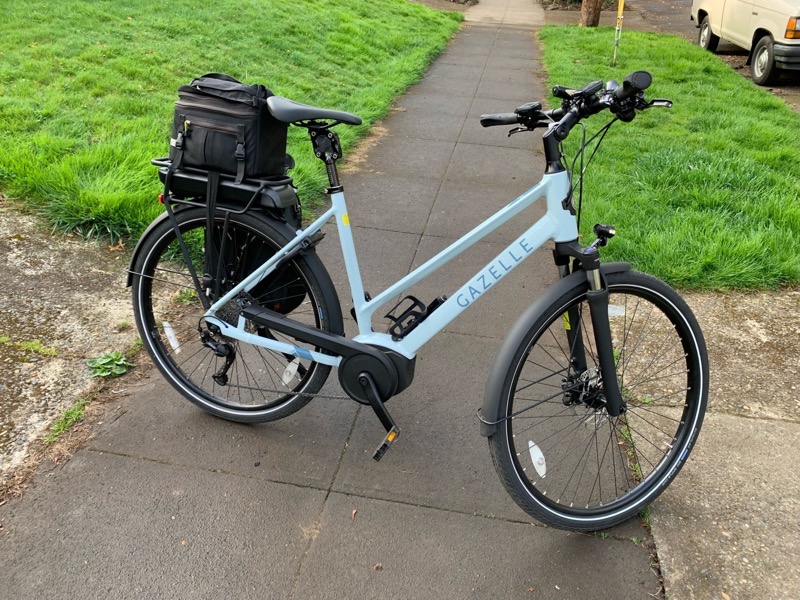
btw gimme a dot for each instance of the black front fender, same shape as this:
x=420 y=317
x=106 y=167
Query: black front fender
x=490 y=411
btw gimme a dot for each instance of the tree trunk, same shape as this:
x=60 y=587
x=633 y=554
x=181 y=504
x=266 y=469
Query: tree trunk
x=590 y=13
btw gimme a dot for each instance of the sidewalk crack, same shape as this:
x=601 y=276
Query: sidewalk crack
x=314 y=528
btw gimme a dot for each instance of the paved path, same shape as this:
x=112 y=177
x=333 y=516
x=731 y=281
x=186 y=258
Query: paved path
x=167 y=502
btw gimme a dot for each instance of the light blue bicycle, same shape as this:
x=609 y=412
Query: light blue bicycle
x=595 y=398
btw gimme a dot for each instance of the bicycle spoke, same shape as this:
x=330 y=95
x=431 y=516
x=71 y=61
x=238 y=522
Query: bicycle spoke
x=585 y=460
x=166 y=294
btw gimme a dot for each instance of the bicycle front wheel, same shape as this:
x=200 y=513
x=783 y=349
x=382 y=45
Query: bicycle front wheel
x=559 y=454
x=259 y=384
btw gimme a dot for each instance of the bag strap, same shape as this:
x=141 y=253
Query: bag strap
x=211 y=259
x=177 y=143
x=174 y=222
x=239 y=154
x=174 y=164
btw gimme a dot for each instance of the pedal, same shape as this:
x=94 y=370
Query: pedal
x=411 y=316
x=387 y=441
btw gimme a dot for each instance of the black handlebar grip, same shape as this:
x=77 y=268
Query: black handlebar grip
x=499 y=119
x=636 y=82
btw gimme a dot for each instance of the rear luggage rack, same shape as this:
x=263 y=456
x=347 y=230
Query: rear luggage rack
x=272 y=193
x=192 y=183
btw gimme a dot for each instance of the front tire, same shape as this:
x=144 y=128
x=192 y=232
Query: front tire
x=763 y=69
x=558 y=453
x=260 y=385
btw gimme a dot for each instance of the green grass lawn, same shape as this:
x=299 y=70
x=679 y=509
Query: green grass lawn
x=87 y=88
x=704 y=195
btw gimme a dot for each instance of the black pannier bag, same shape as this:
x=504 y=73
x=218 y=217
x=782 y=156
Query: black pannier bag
x=224 y=125
x=281 y=291
x=227 y=146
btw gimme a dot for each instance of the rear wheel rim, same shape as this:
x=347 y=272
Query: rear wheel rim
x=191 y=366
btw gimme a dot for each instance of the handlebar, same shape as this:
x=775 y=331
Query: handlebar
x=622 y=100
x=555 y=114
x=636 y=82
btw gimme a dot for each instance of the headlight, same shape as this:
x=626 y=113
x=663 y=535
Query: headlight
x=793 y=29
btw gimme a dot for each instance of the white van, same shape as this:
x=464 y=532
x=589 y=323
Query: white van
x=769 y=29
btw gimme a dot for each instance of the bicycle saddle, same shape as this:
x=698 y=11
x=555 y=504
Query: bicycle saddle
x=289 y=111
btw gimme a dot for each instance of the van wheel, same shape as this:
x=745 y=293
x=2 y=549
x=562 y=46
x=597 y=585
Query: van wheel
x=764 y=71
x=707 y=40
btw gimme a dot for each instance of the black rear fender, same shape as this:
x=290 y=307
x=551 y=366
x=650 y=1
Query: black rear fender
x=264 y=216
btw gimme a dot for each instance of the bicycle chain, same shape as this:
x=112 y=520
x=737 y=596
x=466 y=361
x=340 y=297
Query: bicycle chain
x=284 y=392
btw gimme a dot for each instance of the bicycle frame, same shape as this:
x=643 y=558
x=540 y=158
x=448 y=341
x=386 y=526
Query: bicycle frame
x=558 y=224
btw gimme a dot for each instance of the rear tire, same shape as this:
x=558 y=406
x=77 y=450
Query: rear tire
x=558 y=453
x=262 y=385
x=706 y=38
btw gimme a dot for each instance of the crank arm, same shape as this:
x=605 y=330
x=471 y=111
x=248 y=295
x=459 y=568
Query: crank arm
x=392 y=430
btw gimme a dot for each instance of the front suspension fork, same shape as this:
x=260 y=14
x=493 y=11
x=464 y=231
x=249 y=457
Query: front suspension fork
x=597 y=298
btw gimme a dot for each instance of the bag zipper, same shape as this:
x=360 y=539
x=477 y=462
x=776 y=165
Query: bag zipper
x=217 y=109
x=232 y=129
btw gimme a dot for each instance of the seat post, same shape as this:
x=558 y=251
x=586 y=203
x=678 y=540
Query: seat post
x=333 y=178
x=328 y=149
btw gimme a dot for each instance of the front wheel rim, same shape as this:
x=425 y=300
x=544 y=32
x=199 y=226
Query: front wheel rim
x=640 y=492
x=704 y=32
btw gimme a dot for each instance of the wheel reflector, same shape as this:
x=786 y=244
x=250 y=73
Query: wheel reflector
x=290 y=371
x=538 y=459
x=173 y=339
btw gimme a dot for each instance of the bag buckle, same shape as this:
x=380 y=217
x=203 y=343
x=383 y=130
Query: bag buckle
x=239 y=151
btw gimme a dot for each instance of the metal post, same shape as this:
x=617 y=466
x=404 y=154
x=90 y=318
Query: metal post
x=618 y=31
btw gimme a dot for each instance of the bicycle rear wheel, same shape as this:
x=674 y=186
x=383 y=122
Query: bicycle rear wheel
x=260 y=384
x=562 y=458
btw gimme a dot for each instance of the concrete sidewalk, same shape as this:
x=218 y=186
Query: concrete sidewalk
x=168 y=502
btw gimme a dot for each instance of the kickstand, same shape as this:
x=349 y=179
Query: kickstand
x=371 y=392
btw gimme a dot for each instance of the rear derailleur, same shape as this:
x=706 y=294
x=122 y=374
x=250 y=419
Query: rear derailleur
x=222 y=349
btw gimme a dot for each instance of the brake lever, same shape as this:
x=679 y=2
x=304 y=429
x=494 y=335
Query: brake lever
x=659 y=103
x=518 y=130
x=542 y=121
